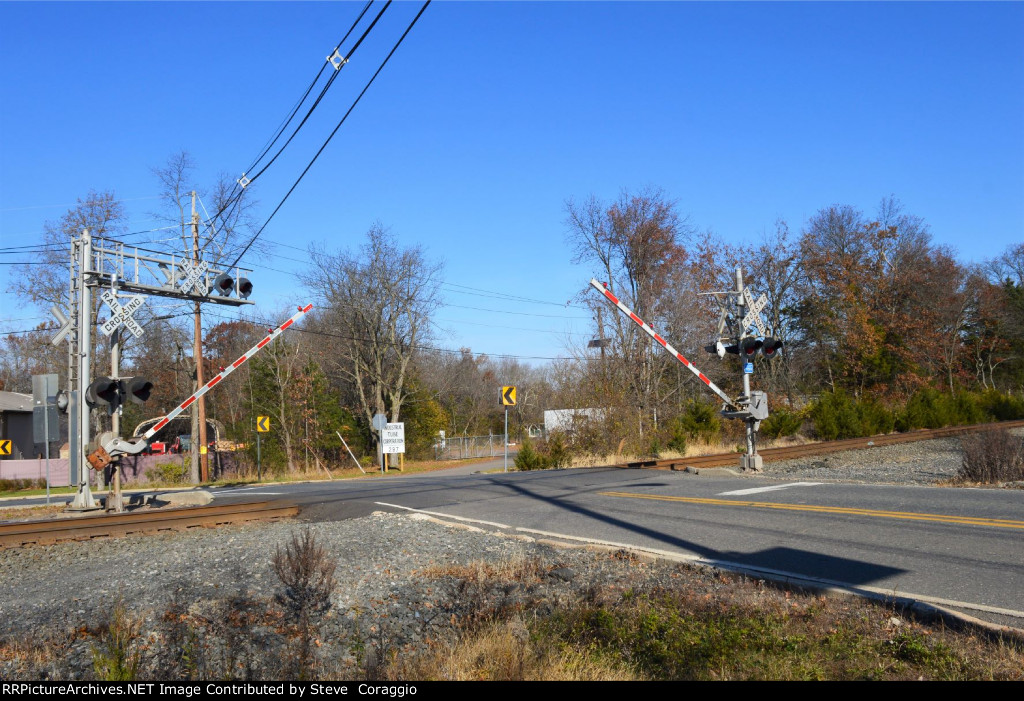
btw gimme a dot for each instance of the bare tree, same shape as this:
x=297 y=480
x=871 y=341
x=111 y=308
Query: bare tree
x=639 y=244
x=376 y=303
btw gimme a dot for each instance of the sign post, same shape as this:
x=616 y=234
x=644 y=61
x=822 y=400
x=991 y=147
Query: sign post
x=262 y=426
x=508 y=398
x=379 y=423
x=44 y=415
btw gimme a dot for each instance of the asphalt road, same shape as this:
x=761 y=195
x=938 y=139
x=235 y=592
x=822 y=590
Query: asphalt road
x=958 y=547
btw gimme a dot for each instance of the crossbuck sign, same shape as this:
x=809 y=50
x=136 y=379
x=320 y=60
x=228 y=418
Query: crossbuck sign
x=392 y=438
x=195 y=277
x=121 y=314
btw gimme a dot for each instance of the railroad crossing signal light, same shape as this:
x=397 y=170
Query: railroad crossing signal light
x=244 y=288
x=224 y=284
x=136 y=389
x=104 y=391
x=111 y=393
x=771 y=347
x=749 y=347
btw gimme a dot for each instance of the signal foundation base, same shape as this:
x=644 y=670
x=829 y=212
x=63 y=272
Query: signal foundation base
x=751 y=463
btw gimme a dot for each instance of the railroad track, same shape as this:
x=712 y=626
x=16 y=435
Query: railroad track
x=798 y=451
x=46 y=532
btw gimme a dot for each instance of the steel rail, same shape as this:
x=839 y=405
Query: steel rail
x=49 y=531
x=810 y=449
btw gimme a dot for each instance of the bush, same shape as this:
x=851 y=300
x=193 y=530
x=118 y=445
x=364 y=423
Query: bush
x=19 y=484
x=529 y=459
x=992 y=456
x=307 y=573
x=875 y=418
x=699 y=422
x=930 y=408
x=837 y=416
x=115 y=658
x=1001 y=407
x=677 y=440
x=170 y=472
x=781 y=422
x=552 y=453
x=558 y=452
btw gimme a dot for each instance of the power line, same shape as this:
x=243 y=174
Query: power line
x=330 y=81
x=315 y=157
x=295 y=111
x=268 y=324
x=234 y=198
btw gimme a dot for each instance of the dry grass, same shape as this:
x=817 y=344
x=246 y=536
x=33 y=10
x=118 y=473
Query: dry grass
x=505 y=651
x=515 y=569
x=694 y=449
x=31 y=513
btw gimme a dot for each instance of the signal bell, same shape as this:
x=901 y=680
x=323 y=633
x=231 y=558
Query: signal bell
x=717 y=348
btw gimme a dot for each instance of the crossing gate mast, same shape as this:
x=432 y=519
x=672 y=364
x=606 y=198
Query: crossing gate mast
x=751 y=407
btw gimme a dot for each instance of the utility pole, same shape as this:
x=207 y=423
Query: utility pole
x=200 y=462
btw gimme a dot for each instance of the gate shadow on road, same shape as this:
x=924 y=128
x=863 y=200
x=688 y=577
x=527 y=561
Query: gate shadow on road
x=802 y=562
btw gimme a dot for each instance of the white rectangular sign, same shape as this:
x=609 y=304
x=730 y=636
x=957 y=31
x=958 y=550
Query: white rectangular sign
x=392 y=438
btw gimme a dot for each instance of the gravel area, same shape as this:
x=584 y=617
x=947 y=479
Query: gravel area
x=926 y=463
x=921 y=463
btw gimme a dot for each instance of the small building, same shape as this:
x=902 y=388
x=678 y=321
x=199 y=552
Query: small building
x=565 y=420
x=16 y=424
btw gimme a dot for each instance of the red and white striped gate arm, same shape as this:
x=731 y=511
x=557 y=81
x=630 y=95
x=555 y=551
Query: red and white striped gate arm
x=665 y=344
x=225 y=372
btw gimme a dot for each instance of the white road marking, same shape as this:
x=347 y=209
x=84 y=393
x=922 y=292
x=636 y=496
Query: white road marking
x=438 y=513
x=758 y=490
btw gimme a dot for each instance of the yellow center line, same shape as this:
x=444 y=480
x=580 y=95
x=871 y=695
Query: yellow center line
x=903 y=515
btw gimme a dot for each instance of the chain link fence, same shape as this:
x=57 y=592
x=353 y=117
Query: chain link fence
x=462 y=447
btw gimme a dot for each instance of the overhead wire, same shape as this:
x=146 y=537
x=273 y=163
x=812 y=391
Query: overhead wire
x=234 y=198
x=302 y=329
x=335 y=131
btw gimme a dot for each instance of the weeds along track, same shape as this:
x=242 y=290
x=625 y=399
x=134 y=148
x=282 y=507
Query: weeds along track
x=799 y=451
x=46 y=532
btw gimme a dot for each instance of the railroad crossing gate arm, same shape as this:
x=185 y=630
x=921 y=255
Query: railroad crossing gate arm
x=119 y=446
x=661 y=341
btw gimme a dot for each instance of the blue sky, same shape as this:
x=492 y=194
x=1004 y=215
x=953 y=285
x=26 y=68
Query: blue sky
x=491 y=115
